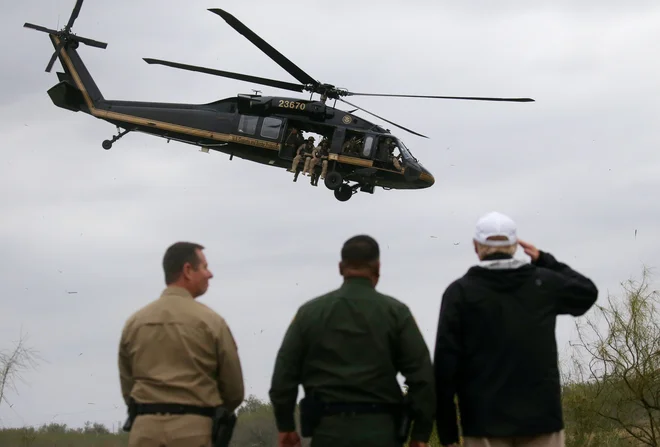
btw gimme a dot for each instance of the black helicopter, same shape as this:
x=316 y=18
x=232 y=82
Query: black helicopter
x=251 y=126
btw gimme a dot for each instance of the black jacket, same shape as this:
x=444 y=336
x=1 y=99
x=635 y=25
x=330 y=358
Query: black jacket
x=496 y=348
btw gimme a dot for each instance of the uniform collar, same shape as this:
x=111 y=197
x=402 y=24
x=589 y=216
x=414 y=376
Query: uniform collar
x=357 y=281
x=176 y=291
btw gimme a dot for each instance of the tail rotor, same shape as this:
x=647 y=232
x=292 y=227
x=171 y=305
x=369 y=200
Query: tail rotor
x=65 y=36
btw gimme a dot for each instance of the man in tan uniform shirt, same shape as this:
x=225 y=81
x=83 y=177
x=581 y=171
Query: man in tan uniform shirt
x=176 y=350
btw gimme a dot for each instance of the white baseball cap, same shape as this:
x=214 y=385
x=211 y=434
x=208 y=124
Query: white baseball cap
x=495 y=224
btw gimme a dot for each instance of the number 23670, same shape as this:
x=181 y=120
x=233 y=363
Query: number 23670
x=292 y=104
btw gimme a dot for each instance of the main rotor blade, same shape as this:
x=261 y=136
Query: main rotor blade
x=74 y=15
x=380 y=117
x=229 y=74
x=271 y=52
x=472 y=98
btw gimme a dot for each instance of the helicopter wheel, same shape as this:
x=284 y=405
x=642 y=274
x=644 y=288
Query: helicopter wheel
x=333 y=180
x=107 y=144
x=343 y=192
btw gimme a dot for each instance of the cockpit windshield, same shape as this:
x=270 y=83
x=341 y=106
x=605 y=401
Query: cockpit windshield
x=405 y=152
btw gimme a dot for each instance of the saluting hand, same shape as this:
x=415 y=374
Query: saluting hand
x=288 y=439
x=530 y=250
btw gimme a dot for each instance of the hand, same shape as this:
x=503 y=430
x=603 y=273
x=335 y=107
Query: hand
x=530 y=250
x=288 y=439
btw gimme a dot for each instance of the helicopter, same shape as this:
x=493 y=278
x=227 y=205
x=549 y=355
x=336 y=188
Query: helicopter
x=358 y=154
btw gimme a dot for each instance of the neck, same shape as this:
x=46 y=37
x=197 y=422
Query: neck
x=357 y=274
x=183 y=286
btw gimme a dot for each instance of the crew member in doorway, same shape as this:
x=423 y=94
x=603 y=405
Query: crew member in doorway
x=320 y=153
x=294 y=140
x=303 y=150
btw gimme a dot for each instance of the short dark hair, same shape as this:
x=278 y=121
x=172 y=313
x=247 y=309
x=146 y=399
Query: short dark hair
x=359 y=251
x=176 y=256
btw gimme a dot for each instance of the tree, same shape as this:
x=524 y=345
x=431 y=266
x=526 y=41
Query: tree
x=256 y=424
x=617 y=387
x=13 y=363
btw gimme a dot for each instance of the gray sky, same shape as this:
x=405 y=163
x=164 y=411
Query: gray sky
x=576 y=169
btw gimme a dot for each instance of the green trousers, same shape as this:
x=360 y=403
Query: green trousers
x=364 y=430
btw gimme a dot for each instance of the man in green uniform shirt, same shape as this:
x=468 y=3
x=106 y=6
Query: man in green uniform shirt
x=345 y=348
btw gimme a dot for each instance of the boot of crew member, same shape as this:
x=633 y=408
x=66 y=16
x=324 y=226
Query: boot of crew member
x=294 y=166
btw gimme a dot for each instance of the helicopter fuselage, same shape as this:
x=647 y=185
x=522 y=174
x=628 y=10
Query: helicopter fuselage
x=251 y=127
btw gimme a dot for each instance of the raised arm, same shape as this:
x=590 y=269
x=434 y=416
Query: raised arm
x=575 y=292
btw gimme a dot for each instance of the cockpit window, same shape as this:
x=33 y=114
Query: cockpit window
x=405 y=153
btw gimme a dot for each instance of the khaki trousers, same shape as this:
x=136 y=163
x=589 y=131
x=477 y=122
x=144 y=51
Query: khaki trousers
x=189 y=430
x=550 y=440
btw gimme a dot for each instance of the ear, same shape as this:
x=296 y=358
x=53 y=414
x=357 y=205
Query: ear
x=341 y=268
x=377 y=268
x=187 y=270
x=475 y=246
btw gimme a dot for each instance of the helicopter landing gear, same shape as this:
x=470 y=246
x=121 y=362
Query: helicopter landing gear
x=107 y=144
x=333 y=181
x=344 y=192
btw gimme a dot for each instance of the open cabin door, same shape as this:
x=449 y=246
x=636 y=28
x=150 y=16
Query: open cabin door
x=290 y=143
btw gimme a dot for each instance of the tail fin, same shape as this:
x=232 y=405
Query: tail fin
x=75 y=71
x=75 y=76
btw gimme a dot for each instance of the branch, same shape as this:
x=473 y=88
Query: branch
x=13 y=364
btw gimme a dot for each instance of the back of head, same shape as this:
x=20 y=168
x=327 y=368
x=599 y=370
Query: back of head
x=495 y=233
x=360 y=257
x=184 y=265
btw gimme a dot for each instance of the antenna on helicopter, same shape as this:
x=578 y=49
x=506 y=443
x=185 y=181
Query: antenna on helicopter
x=256 y=92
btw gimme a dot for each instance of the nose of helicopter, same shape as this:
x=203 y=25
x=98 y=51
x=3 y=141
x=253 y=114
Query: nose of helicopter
x=426 y=178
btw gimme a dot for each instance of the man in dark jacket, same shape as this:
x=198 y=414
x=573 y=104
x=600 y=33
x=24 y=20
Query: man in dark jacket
x=495 y=346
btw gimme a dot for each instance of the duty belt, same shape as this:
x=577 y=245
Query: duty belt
x=174 y=409
x=334 y=408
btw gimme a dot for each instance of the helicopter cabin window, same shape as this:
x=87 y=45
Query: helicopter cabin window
x=368 y=145
x=248 y=124
x=271 y=127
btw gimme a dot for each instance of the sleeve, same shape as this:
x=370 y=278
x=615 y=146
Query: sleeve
x=286 y=377
x=446 y=364
x=413 y=360
x=230 y=373
x=575 y=292
x=126 y=380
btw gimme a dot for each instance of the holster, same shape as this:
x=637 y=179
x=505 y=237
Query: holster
x=224 y=422
x=132 y=414
x=311 y=412
x=405 y=421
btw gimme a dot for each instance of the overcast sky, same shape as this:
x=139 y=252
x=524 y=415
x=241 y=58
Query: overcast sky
x=578 y=169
